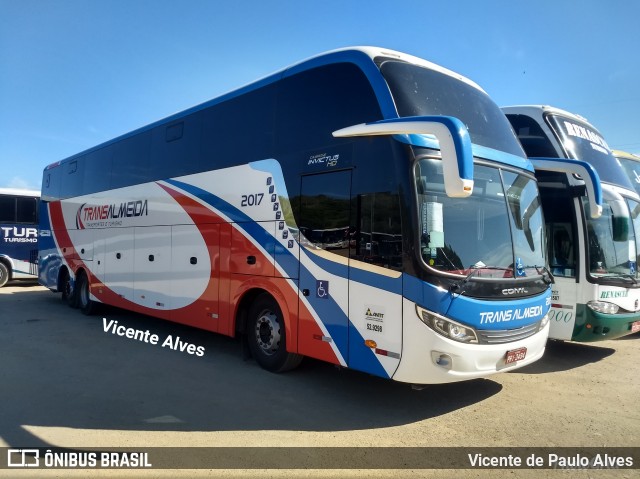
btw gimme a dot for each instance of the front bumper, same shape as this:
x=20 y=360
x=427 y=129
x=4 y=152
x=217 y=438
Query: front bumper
x=592 y=326
x=422 y=347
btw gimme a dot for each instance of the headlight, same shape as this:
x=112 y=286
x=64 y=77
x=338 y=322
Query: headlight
x=446 y=327
x=544 y=322
x=603 y=307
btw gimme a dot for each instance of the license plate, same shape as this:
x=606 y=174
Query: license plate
x=635 y=327
x=516 y=355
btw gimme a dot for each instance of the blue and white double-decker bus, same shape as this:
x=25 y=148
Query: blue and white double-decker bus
x=18 y=234
x=364 y=207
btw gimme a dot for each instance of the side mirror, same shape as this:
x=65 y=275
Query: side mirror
x=619 y=216
x=451 y=134
x=620 y=229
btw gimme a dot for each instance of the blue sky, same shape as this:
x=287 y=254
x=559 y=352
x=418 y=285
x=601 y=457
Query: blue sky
x=76 y=73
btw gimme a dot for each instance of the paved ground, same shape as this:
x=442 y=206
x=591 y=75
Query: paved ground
x=64 y=382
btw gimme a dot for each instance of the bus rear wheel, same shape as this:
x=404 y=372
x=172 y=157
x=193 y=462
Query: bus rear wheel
x=267 y=337
x=86 y=305
x=4 y=274
x=69 y=294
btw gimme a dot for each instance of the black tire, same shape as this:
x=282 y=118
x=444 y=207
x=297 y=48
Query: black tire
x=266 y=336
x=69 y=296
x=4 y=274
x=83 y=294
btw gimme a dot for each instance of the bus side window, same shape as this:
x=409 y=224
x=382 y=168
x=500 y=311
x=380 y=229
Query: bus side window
x=7 y=209
x=562 y=250
x=176 y=148
x=314 y=103
x=378 y=237
x=229 y=130
x=130 y=161
x=97 y=170
x=532 y=138
x=72 y=177
x=26 y=210
x=51 y=180
x=324 y=212
x=558 y=206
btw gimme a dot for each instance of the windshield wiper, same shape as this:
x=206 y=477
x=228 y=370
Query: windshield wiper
x=626 y=276
x=455 y=287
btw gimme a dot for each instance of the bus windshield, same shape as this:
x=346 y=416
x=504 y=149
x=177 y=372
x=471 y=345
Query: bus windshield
x=612 y=242
x=632 y=167
x=583 y=142
x=420 y=91
x=460 y=236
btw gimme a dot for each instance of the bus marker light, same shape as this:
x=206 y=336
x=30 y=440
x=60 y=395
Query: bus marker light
x=384 y=352
x=588 y=326
x=370 y=343
x=319 y=337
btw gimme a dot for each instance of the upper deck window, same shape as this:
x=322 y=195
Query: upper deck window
x=532 y=137
x=420 y=91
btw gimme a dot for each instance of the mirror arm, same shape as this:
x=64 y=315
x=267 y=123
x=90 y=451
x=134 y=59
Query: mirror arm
x=453 y=138
x=577 y=167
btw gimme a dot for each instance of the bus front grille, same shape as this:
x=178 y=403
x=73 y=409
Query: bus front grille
x=499 y=336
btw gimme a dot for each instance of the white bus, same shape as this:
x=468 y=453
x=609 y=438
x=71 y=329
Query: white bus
x=596 y=294
x=201 y=219
x=631 y=164
x=18 y=234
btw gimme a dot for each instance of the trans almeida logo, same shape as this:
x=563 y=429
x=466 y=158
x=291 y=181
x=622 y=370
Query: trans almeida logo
x=79 y=223
x=105 y=212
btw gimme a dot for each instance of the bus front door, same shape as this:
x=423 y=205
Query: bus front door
x=323 y=326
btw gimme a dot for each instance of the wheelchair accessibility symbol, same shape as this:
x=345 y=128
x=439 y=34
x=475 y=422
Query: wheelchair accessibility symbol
x=322 y=289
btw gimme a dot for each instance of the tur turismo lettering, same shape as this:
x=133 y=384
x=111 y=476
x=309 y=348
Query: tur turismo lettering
x=15 y=234
x=123 y=210
x=506 y=315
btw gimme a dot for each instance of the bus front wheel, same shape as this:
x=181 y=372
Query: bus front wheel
x=4 y=274
x=267 y=337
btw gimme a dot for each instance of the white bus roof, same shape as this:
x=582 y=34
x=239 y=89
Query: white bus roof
x=19 y=192
x=544 y=109
x=374 y=52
